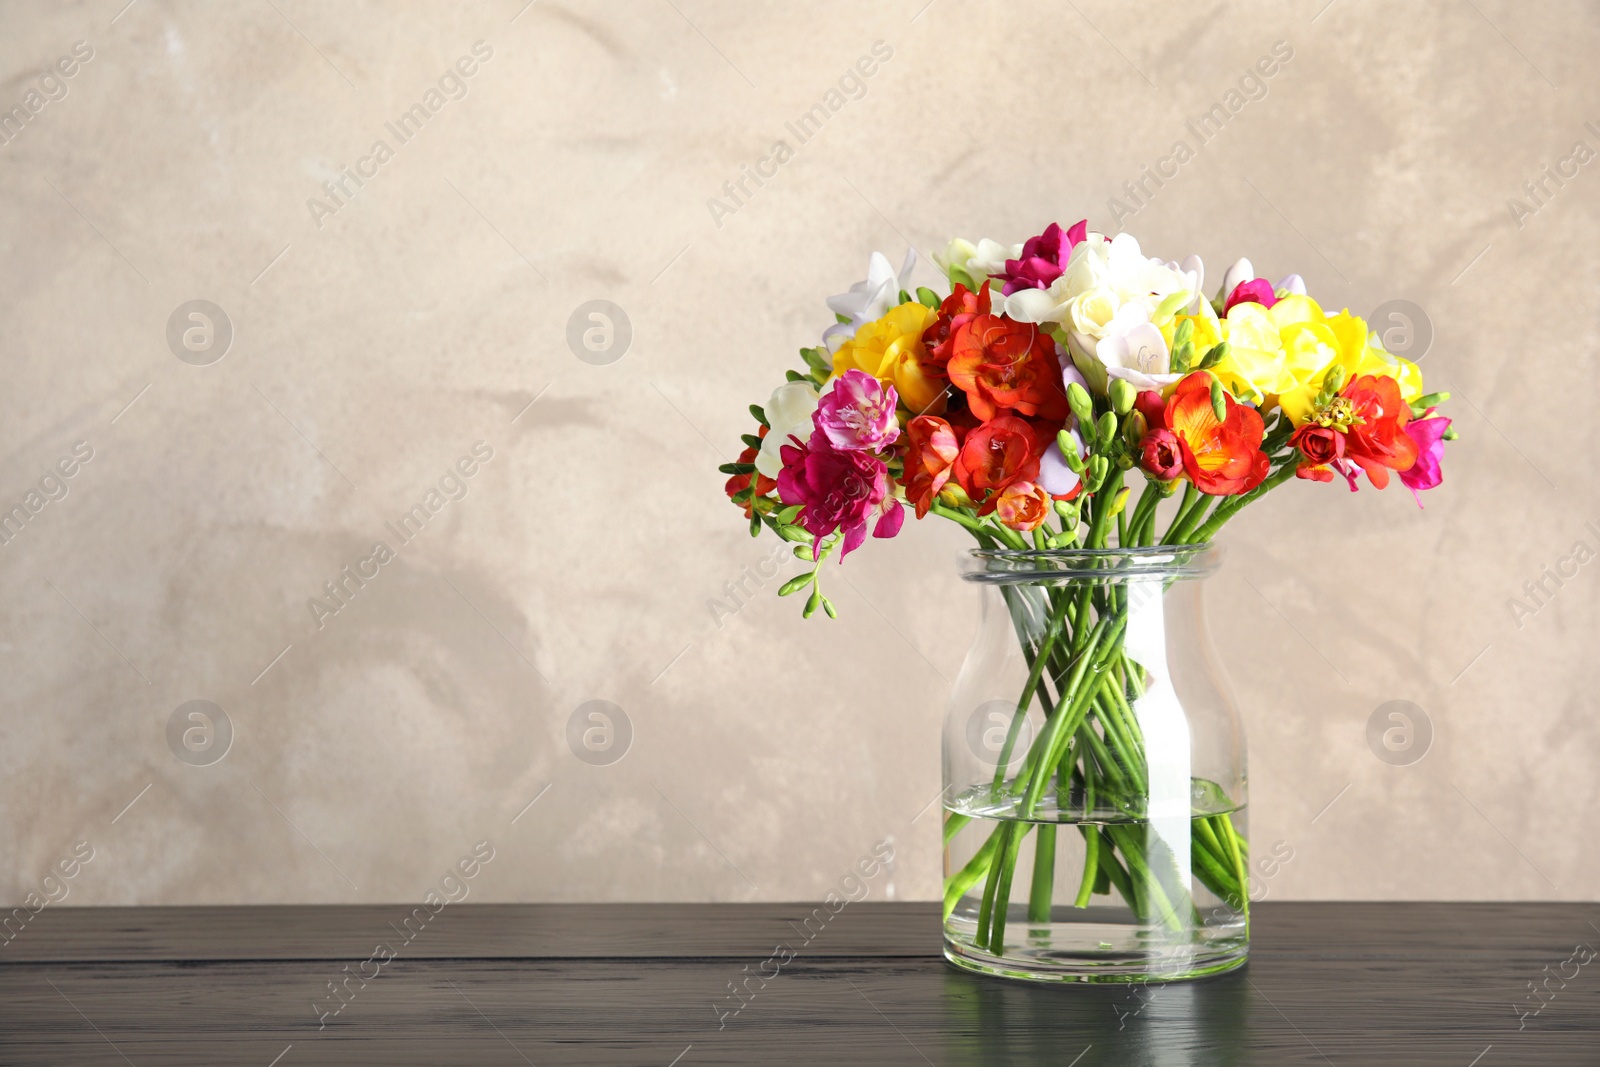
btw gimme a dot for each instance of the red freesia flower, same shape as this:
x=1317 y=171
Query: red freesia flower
x=740 y=482
x=1010 y=366
x=840 y=490
x=1319 y=446
x=1160 y=454
x=1254 y=291
x=1022 y=506
x=1377 y=441
x=930 y=452
x=959 y=308
x=1221 y=458
x=994 y=455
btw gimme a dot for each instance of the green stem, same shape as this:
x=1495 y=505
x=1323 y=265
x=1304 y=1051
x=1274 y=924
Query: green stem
x=1044 y=874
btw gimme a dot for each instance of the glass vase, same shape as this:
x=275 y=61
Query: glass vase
x=1094 y=771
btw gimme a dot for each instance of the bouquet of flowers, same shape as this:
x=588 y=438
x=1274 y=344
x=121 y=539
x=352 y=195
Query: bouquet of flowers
x=1021 y=405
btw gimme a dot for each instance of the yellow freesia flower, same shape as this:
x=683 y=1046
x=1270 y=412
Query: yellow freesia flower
x=891 y=350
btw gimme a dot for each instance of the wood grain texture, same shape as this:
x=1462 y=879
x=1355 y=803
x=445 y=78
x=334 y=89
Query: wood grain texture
x=643 y=984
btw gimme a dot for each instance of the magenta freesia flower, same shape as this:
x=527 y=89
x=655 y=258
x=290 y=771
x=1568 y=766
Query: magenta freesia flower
x=857 y=414
x=1254 y=291
x=838 y=490
x=1043 y=257
x=1429 y=436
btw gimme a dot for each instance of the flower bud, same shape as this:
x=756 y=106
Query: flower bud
x=1119 y=502
x=1134 y=428
x=1082 y=406
x=1182 y=354
x=1219 y=403
x=1333 y=380
x=1106 y=428
x=1122 y=396
x=1183 y=333
x=1068 y=510
x=1218 y=353
x=1069 y=451
x=812 y=604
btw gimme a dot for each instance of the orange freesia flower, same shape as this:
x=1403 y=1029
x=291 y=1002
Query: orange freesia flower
x=1221 y=458
x=1022 y=506
x=958 y=309
x=1377 y=441
x=1007 y=366
x=931 y=450
x=994 y=455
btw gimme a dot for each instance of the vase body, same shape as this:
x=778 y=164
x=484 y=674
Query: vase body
x=1094 y=770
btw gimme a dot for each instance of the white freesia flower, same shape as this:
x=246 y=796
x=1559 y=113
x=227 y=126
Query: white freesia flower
x=1241 y=271
x=1134 y=349
x=1100 y=265
x=985 y=259
x=869 y=300
x=1291 y=285
x=788 y=412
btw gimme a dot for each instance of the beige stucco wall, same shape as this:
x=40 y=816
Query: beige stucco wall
x=374 y=345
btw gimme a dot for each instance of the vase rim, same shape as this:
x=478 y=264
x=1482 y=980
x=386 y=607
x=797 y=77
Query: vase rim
x=1100 y=564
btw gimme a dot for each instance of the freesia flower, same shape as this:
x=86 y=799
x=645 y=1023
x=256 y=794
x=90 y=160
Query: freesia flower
x=871 y=299
x=995 y=454
x=788 y=414
x=1320 y=448
x=932 y=451
x=891 y=350
x=1042 y=257
x=1004 y=365
x=857 y=412
x=972 y=264
x=1256 y=290
x=1135 y=350
x=959 y=308
x=1220 y=458
x=839 y=490
x=1160 y=454
x=1428 y=433
x=1377 y=441
x=1022 y=506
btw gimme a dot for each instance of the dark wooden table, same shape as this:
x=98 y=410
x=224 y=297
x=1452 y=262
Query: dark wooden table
x=651 y=985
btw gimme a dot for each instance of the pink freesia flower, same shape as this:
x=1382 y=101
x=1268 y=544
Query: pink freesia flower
x=1428 y=433
x=1254 y=291
x=857 y=414
x=1043 y=257
x=838 y=490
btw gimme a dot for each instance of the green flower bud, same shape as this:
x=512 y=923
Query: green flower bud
x=1182 y=354
x=1122 y=396
x=1219 y=403
x=1119 y=502
x=1106 y=428
x=1082 y=406
x=827 y=606
x=927 y=297
x=1181 y=335
x=798 y=582
x=1069 y=452
x=812 y=604
x=1333 y=380
x=1218 y=353
x=1068 y=510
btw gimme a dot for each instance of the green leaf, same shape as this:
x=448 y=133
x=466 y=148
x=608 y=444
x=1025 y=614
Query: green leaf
x=789 y=514
x=737 y=468
x=750 y=440
x=795 y=376
x=761 y=416
x=743 y=496
x=755 y=526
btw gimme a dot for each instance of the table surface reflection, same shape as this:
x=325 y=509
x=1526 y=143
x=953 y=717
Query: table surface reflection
x=1415 y=983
